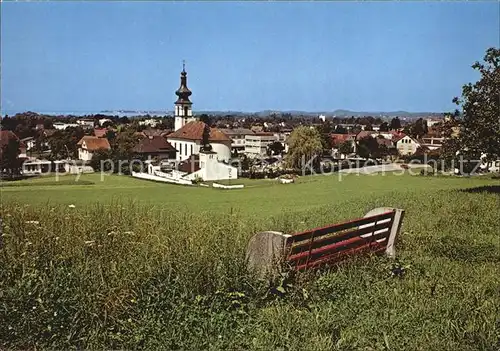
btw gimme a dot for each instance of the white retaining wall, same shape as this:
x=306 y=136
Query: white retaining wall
x=160 y=179
x=240 y=186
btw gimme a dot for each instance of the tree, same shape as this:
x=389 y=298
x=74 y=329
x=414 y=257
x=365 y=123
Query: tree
x=368 y=147
x=395 y=123
x=276 y=148
x=384 y=127
x=9 y=160
x=417 y=129
x=340 y=129
x=346 y=148
x=369 y=128
x=101 y=155
x=480 y=104
x=63 y=143
x=304 y=145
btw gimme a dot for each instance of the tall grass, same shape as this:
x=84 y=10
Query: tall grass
x=128 y=275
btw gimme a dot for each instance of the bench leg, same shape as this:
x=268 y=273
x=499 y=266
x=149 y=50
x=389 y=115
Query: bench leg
x=396 y=226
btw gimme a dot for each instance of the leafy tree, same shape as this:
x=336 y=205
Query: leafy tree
x=480 y=104
x=63 y=143
x=304 y=145
x=384 y=127
x=369 y=128
x=346 y=148
x=101 y=155
x=340 y=129
x=395 y=123
x=9 y=160
x=276 y=148
x=47 y=124
x=417 y=129
x=368 y=147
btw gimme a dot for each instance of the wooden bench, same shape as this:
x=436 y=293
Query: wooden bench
x=375 y=233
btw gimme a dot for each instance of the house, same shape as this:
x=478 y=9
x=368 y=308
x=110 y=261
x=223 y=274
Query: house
x=155 y=147
x=237 y=136
x=104 y=120
x=155 y=132
x=406 y=145
x=151 y=122
x=5 y=137
x=188 y=140
x=36 y=166
x=256 y=144
x=88 y=145
x=29 y=142
x=339 y=139
x=432 y=143
x=433 y=121
x=62 y=126
x=100 y=132
x=85 y=123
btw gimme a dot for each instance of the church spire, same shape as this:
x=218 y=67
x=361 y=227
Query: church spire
x=183 y=92
x=183 y=112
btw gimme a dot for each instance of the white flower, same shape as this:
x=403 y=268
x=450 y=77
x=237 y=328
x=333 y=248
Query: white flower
x=32 y=222
x=90 y=242
x=71 y=206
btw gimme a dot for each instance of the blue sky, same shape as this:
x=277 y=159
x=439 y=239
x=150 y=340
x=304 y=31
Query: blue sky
x=314 y=56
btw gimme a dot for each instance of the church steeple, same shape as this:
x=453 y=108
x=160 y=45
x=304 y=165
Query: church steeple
x=183 y=92
x=183 y=112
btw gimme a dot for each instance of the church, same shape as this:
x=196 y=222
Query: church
x=193 y=161
x=188 y=134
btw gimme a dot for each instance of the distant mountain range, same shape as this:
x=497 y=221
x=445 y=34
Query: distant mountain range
x=264 y=113
x=337 y=113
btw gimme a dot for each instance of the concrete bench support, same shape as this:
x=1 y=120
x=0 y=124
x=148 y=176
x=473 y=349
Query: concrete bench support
x=266 y=252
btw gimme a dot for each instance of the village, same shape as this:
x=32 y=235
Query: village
x=198 y=148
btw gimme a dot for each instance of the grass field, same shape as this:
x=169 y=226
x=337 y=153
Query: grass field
x=138 y=264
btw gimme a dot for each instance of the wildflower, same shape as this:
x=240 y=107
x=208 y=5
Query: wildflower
x=32 y=222
x=71 y=206
x=90 y=242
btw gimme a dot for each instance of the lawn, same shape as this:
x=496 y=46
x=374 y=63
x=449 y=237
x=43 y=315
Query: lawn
x=138 y=264
x=259 y=197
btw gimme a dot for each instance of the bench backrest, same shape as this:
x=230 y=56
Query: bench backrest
x=334 y=243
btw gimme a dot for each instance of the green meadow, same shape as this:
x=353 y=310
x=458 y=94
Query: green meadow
x=144 y=265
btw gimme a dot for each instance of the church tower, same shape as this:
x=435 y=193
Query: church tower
x=183 y=112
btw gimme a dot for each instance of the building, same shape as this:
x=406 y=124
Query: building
x=155 y=146
x=62 y=126
x=5 y=137
x=432 y=143
x=433 y=121
x=237 y=136
x=256 y=144
x=189 y=139
x=338 y=139
x=88 y=145
x=151 y=122
x=100 y=132
x=29 y=142
x=85 y=123
x=406 y=145
x=183 y=112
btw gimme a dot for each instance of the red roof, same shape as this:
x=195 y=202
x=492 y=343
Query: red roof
x=6 y=136
x=100 y=132
x=338 y=139
x=398 y=137
x=153 y=144
x=194 y=131
x=94 y=143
